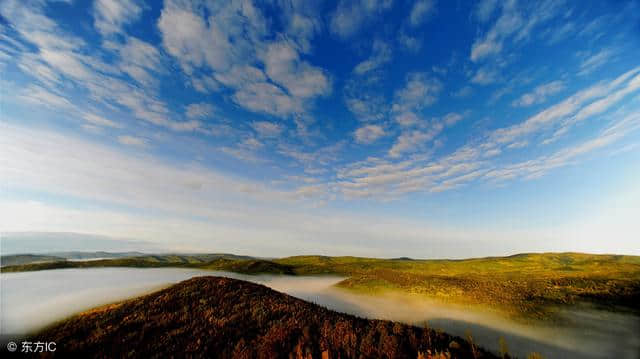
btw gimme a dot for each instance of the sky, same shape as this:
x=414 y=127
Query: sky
x=385 y=128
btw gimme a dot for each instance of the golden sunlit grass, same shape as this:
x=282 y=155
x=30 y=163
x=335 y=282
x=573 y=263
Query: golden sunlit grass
x=523 y=286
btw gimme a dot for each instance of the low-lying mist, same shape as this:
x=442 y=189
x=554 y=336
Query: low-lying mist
x=32 y=300
x=585 y=332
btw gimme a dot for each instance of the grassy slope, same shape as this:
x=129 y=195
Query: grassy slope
x=19 y=259
x=24 y=259
x=215 y=261
x=250 y=266
x=523 y=285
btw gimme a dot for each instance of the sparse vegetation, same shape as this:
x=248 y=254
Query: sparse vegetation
x=226 y=318
x=250 y=266
x=19 y=259
x=523 y=286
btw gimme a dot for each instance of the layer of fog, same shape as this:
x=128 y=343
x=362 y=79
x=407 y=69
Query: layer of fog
x=586 y=332
x=32 y=300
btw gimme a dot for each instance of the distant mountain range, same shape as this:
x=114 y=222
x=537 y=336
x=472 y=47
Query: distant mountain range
x=213 y=317
x=62 y=242
x=23 y=248
x=20 y=259
x=66 y=257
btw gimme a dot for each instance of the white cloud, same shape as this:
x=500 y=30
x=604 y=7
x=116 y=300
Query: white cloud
x=57 y=52
x=96 y=120
x=200 y=110
x=363 y=99
x=515 y=23
x=132 y=141
x=267 y=98
x=484 y=48
x=377 y=178
x=271 y=73
x=302 y=80
x=421 y=11
x=594 y=27
x=240 y=75
x=421 y=132
x=139 y=59
x=485 y=76
x=246 y=150
x=400 y=173
x=452 y=118
x=595 y=61
x=463 y=92
x=40 y=96
x=243 y=153
x=411 y=43
x=314 y=160
x=410 y=141
x=540 y=166
x=407 y=119
x=539 y=94
x=369 y=134
x=562 y=110
x=538 y=13
x=380 y=55
x=420 y=91
x=603 y=104
x=351 y=15
x=141 y=105
x=252 y=142
x=595 y=108
x=485 y=9
x=70 y=166
x=303 y=20
x=111 y=15
x=163 y=200
x=195 y=41
x=520 y=144
x=558 y=34
x=61 y=62
x=267 y=129
x=233 y=42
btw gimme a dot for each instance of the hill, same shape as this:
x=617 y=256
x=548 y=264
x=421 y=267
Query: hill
x=22 y=259
x=249 y=266
x=523 y=286
x=24 y=263
x=227 y=318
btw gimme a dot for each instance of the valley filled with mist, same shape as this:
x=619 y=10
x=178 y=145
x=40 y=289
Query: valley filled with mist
x=590 y=312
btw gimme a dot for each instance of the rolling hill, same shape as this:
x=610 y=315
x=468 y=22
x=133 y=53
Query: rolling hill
x=522 y=286
x=173 y=258
x=227 y=318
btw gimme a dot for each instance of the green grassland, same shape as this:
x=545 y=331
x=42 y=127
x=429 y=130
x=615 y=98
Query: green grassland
x=523 y=286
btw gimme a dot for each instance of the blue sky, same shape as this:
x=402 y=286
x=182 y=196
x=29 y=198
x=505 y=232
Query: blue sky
x=422 y=128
